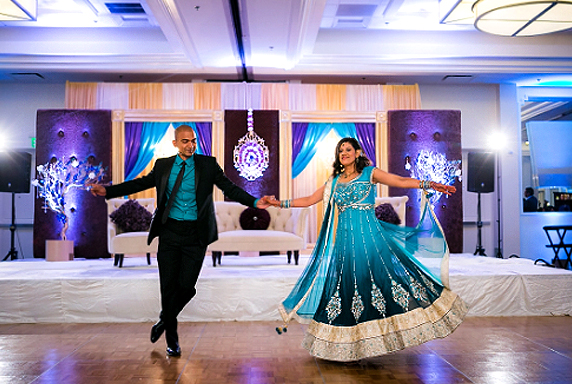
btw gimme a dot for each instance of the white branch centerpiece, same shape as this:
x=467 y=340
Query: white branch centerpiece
x=56 y=178
x=434 y=166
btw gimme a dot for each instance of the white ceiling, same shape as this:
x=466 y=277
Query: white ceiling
x=349 y=41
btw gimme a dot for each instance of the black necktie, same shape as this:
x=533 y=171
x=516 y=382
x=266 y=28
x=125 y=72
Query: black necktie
x=178 y=182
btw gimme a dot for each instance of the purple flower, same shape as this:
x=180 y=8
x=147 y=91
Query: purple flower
x=131 y=217
x=385 y=212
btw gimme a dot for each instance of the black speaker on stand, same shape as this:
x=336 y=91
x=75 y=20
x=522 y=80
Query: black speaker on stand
x=15 y=169
x=480 y=179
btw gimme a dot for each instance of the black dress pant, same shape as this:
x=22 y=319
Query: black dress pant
x=180 y=258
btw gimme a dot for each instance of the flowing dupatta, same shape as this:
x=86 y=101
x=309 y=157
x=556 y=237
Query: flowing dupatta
x=424 y=244
x=304 y=298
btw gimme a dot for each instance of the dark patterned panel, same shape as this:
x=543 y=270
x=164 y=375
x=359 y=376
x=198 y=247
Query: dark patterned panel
x=411 y=131
x=266 y=126
x=79 y=133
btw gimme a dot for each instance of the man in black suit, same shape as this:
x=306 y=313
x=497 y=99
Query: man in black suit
x=529 y=203
x=185 y=224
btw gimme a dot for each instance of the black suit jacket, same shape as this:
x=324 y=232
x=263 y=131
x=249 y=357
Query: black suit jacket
x=530 y=204
x=207 y=174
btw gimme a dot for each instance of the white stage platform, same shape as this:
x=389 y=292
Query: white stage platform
x=247 y=289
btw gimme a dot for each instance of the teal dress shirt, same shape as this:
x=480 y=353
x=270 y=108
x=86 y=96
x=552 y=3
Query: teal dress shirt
x=185 y=204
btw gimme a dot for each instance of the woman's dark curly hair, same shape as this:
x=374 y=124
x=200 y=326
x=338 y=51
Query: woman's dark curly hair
x=361 y=161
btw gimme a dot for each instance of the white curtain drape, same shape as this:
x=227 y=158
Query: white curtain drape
x=313 y=177
x=240 y=95
x=363 y=98
x=113 y=96
x=302 y=97
x=209 y=96
x=304 y=185
x=178 y=96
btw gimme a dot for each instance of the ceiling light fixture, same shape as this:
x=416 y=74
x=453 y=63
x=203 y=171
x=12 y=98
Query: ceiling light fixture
x=15 y=10
x=513 y=17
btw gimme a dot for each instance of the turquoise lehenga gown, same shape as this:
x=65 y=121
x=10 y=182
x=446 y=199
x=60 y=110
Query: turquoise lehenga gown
x=377 y=287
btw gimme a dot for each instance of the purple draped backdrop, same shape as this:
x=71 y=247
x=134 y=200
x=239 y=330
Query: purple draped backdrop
x=298 y=135
x=132 y=144
x=204 y=131
x=366 y=137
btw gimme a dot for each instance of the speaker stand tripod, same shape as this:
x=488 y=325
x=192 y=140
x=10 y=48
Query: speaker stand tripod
x=12 y=254
x=480 y=250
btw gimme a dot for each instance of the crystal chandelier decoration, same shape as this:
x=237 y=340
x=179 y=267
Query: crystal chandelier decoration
x=251 y=154
x=434 y=166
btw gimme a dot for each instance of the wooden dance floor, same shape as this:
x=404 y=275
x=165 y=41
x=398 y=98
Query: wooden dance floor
x=246 y=289
x=483 y=350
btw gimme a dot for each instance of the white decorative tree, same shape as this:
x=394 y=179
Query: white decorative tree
x=434 y=166
x=56 y=178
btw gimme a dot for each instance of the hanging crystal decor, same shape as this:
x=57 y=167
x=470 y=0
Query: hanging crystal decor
x=251 y=154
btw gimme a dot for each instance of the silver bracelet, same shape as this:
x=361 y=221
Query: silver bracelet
x=424 y=184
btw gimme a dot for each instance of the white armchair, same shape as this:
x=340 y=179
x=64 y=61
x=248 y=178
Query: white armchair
x=120 y=244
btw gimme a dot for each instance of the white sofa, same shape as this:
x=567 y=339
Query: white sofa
x=119 y=244
x=398 y=203
x=286 y=232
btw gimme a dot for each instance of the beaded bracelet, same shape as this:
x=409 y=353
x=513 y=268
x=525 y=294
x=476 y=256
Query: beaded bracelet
x=285 y=203
x=424 y=184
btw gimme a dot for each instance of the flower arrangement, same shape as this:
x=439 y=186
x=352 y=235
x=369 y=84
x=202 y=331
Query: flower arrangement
x=57 y=177
x=131 y=217
x=386 y=212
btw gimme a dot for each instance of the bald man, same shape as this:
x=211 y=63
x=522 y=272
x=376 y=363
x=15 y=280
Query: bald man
x=185 y=224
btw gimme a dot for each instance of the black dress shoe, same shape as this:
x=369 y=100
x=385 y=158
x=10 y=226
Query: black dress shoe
x=157 y=330
x=174 y=350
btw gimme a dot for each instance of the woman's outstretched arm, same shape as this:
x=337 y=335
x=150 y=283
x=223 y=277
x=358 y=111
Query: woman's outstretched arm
x=301 y=201
x=393 y=180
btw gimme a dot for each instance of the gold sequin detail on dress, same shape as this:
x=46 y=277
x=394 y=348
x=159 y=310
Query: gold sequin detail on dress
x=400 y=295
x=377 y=299
x=429 y=284
x=334 y=307
x=419 y=292
x=357 y=305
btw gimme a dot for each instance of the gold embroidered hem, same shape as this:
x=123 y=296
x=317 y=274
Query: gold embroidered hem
x=379 y=337
x=287 y=317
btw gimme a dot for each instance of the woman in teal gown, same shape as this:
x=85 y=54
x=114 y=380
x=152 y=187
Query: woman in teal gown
x=377 y=287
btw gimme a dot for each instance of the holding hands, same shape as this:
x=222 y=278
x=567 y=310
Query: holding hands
x=270 y=201
x=265 y=202
x=274 y=202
